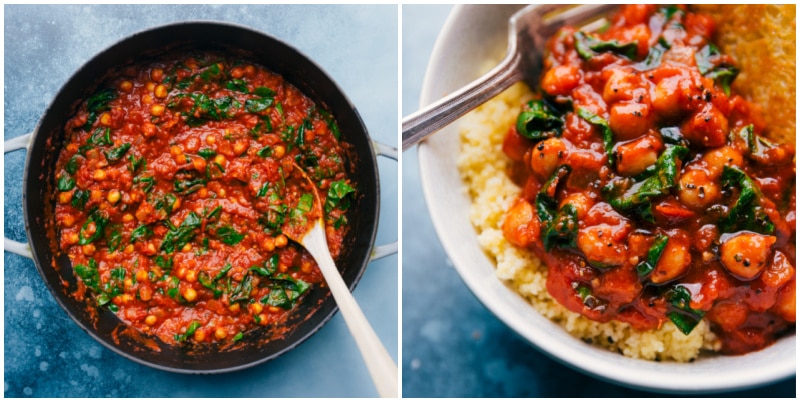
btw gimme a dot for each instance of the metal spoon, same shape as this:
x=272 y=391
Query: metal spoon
x=529 y=29
x=382 y=368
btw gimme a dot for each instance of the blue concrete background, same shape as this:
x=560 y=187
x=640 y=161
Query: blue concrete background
x=45 y=353
x=452 y=345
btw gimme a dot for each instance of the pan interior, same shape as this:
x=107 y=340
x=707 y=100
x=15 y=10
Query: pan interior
x=258 y=345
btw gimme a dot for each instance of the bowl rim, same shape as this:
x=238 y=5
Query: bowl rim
x=701 y=376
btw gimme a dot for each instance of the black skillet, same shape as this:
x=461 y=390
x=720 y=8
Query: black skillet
x=261 y=344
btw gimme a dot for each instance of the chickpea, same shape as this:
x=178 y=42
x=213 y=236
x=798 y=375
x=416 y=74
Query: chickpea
x=128 y=217
x=268 y=244
x=202 y=193
x=190 y=294
x=274 y=309
x=105 y=119
x=192 y=144
x=96 y=194
x=221 y=160
x=599 y=247
x=149 y=130
x=619 y=86
x=746 y=254
x=237 y=72
x=234 y=308
x=697 y=190
x=521 y=226
x=199 y=164
x=187 y=248
x=561 y=79
x=278 y=151
x=157 y=74
x=72 y=238
x=629 y=120
x=88 y=249
x=262 y=319
x=128 y=283
x=221 y=193
x=68 y=220
x=707 y=127
x=547 y=155
x=718 y=158
x=160 y=91
x=786 y=302
x=666 y=99
x=580 y=201
x=240 y=147
x=220 y=333
x=199 y=335
x=150 y=320
x=191 y=276
x=126 y=86
x=210 y=140
x=157 y=110
x=141 y=275
x=99 y=175
x=674 y=261
x=250 y=70
x=181 y=159
x=150 y=86
x=64 y=197
x=145 y=293
x=281 y=241
x=256 y=308
x=128 y=249
x=147 y=99
x=113 y=196
x=634 y=157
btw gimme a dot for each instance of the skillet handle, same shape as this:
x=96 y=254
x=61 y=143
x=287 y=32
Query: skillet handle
x=384 y=250
x=17 y=143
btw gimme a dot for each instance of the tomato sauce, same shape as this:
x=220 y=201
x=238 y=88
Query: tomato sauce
x=180 y=189
x=648 y=189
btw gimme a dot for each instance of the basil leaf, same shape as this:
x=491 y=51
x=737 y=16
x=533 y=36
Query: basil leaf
x=89 y=274
x=65 y=183
x=206 y=153
x=100 y=220
x=180 y=236
x=654 y=56
x=339 y=195
x=626 y=197
x=588 y=46
x=709 y=63
x=746 y=213
x=97 y=104
x=559 y=227
x=100 y=137
x=238 y=85
x=653 y=255
x=681 y=313
x=228 y=235
x=141 y=232
x=72 y=165
x=539 y=121
x=211 y=73
x=190 y=330
x=188 y=186
x=114 y=239
x=80 y=198
x=264 y=91
x=265 y=152
x=117 y=153
x=263 y=190
x=258 y=105
x=605 y=130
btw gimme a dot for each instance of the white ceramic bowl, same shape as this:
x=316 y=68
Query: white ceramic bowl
x=472 y=35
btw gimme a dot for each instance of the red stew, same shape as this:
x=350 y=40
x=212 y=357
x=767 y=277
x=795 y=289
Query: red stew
x=648 y=189
x=177 y=187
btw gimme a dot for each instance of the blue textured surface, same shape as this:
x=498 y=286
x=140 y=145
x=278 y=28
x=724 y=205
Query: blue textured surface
x=45 y=353
x=452 y=345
